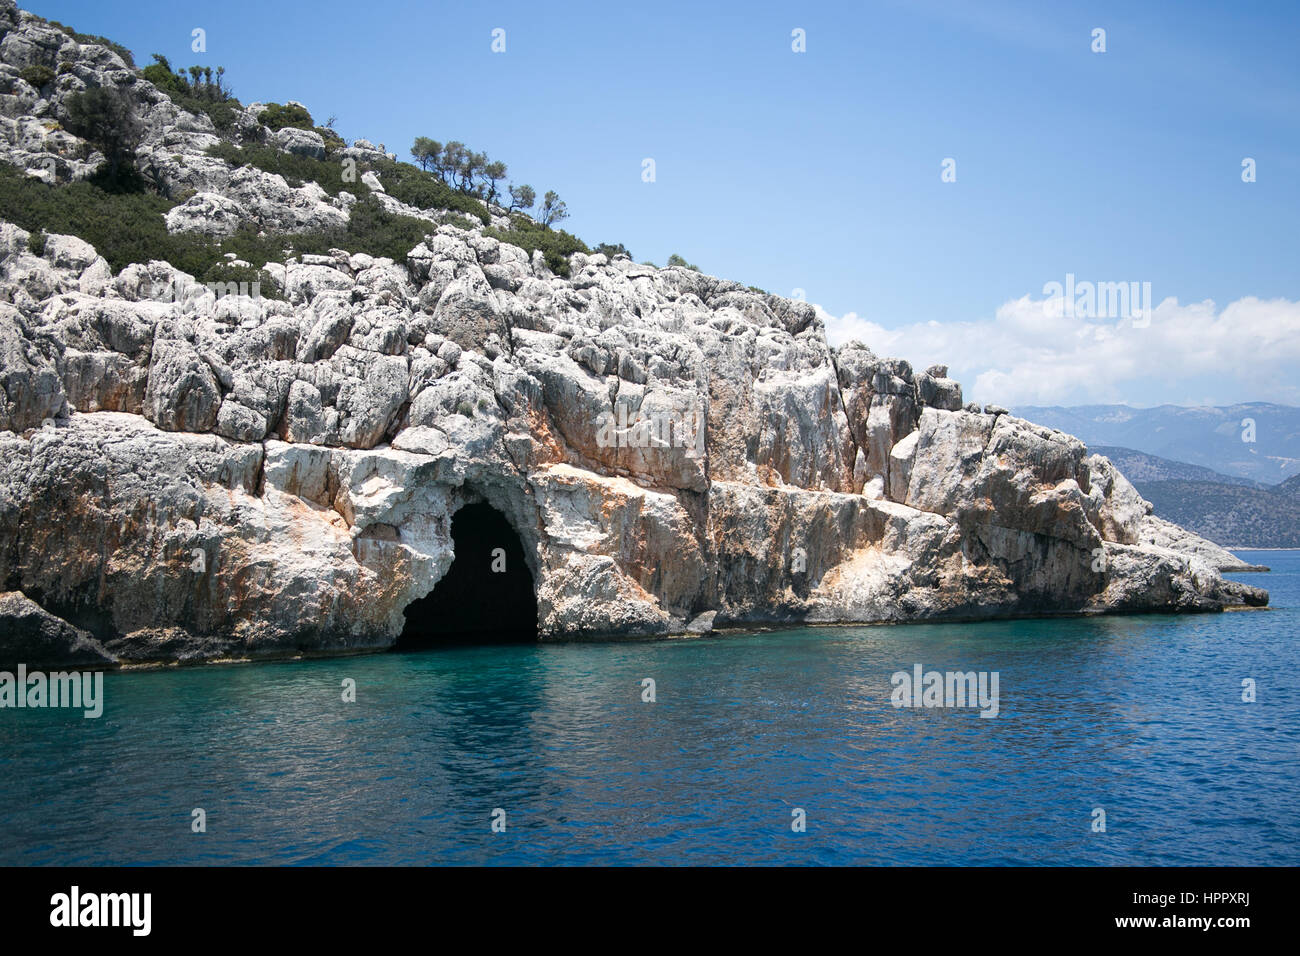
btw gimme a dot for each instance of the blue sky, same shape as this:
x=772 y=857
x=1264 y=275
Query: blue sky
x=820 y=170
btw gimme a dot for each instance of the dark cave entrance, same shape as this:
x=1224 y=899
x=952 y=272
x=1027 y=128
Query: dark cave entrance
x=486 y=596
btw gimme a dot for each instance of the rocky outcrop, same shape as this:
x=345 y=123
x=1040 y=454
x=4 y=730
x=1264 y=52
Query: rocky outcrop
x=210 y=477
x=189 y=476
x=34 y=637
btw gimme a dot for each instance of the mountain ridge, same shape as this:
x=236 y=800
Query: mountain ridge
x=1139 y=466
x=1259 y=441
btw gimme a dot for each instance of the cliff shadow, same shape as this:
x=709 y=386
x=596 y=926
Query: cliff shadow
x=486 y=596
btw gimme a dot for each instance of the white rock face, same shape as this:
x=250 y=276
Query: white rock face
x=667 y=444
x=187 y=477
x=304 y=142
x=210 y=214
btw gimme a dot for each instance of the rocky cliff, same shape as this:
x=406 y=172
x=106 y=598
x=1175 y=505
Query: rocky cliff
x=191 y=473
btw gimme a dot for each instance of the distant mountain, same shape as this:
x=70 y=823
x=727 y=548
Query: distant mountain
x=1205 y=436
x=1235 y=516
x=1231 y=511
x=1138 y=466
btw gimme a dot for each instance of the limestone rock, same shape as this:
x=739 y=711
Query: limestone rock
x=303 y=142
x=30 y=388
x=209 y=214
x=188 y=475
x=182 y=393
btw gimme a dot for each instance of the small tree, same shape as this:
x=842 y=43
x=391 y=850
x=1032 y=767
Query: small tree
x=160 y=74
x=676 y=260
x=494 y=172
x=453 y=160
x=521 y=197
x=471 y=167
x=612 y=249
x=553 y=209
x=103 y=116
x=426 y=152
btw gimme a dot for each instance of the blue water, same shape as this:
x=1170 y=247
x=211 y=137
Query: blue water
x=1139 y=716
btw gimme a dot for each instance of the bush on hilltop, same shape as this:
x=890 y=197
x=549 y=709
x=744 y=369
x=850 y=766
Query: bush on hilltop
x=276 y=117
x=205 y=92
x=556 y=244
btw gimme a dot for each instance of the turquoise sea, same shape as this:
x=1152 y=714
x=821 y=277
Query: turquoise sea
x=1140 y=717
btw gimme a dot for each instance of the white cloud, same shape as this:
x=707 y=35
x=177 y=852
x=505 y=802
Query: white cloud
x=1030 y=353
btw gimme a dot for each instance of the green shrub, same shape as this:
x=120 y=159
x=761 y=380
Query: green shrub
x=295 y=168
x=370 y=229
x=66 y=67
x=126 y=179
x=277 y=116
x=676 y=260
x=611 y=249
x=248 y=275
x=403 y=181
x=377 y=232
x=333 y=141
x=556 y=244
x=106 y=118
x=202 y=95
x=128 y=227
x=37 y=75
x=36 y=243
x=408 y=183
x=222 y=114
x=160 y=74
x=123 y=227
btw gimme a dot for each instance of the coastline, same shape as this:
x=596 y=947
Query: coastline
x=738 y=632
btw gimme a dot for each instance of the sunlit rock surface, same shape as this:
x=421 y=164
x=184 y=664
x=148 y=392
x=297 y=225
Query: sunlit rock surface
x=187 y=476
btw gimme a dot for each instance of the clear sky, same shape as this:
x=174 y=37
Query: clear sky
x=821 y=170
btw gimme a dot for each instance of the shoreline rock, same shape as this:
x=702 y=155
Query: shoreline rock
x=331 y=437
x=207 y=476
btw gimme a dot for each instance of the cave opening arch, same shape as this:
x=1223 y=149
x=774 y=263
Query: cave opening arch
x=487 y=595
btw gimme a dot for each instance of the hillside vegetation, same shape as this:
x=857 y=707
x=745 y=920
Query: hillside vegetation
x=115 y=189
x=1234 y=516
